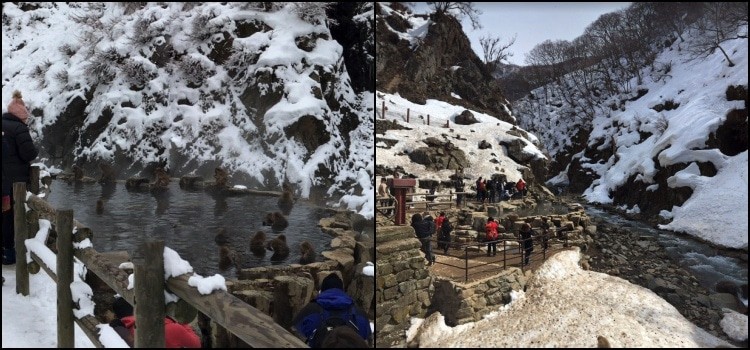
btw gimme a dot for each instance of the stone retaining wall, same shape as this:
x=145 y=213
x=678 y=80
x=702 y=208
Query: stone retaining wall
x=461 y=303
x=403 y=285
x=282 y=291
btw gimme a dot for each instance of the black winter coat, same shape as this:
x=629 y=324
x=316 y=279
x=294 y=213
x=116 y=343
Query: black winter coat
x=21 y=149
x=423 y=228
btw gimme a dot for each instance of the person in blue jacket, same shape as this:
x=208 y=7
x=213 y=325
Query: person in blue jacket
x=332 y=318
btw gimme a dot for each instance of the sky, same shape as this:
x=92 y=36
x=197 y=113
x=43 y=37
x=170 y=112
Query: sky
x=30 y=321
x=532 y=22
x=216 y=125
x=716 y=212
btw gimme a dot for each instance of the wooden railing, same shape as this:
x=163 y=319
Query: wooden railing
x=247 y=323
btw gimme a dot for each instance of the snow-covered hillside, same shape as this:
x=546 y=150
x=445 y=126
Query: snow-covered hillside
x=395 y=145
x=669 y=122
x=259 y=89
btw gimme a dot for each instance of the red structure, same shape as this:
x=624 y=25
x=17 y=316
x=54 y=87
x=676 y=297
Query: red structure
x=400 y=188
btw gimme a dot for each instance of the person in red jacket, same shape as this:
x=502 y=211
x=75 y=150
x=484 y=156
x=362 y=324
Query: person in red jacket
x=176 y=335
x=491 y=236
x=521 y=187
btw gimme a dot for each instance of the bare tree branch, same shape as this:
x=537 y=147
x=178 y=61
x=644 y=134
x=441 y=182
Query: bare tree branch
x=494 y=51
x=458 y=9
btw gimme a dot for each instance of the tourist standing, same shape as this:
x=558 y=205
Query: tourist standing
x=528 y=244
x=490 y=230
x=17 y=164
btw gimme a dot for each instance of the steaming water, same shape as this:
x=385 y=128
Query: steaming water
x=187 y=221
x=706 y=262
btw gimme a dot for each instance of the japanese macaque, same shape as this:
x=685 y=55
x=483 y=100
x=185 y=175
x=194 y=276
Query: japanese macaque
x=279 y=248
x=276 y=220
x=108 y=174
x=77 y=173
x=227 y=257
x=307 y=253
x=221 y=178
x=257 y=244
x=286 y=202
x=221 y=237
x=161 y=179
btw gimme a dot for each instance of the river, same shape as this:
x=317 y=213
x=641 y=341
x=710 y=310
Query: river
x=187 y=221
x=708 y=264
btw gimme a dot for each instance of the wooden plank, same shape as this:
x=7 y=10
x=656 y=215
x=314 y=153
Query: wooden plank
x=88 y=323
x=149 y=296
x=65 y=330
x=108 y=271
x=21 y=234
x=246 y=322
x=48 y=212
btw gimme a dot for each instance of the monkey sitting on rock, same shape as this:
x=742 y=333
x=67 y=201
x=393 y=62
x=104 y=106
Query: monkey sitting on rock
x=108 y=174
x=161 y=180
x=307 y=253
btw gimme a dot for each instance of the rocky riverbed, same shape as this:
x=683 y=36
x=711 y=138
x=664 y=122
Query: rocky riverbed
x=641 y=260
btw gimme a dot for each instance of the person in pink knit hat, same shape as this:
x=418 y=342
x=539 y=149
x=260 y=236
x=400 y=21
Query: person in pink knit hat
x=16 y=163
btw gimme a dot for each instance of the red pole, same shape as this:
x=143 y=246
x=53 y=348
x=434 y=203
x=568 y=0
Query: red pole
x=400 y=206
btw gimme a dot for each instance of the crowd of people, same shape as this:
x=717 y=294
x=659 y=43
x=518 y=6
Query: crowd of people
x=495 y=189
x=492 y=189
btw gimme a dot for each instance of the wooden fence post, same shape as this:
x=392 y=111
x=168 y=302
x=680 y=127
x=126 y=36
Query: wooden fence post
x=149 y=296
x=407 y=115
x=21 y=234
x=448 y=123
x=428 y=119
x=34 y=180
x=65 y=330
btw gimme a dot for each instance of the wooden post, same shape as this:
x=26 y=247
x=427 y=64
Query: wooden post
x=149 y=296
x=34 y=180
x=504 y=253
x=383 y=109
x=466 y=264
x=428 y=119
x=448 y=123
x=407 y=115
x=21 y=234
x=65 y=330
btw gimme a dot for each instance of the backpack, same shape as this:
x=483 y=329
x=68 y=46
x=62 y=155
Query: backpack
x=331 y=319
x=491 y=231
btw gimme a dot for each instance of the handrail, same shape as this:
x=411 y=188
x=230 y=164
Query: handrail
x=505 y=259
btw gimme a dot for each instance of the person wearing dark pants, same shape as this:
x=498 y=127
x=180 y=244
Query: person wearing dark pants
x=528 y=243
x=16 y=164
x=491 y=235
x=423 y=230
